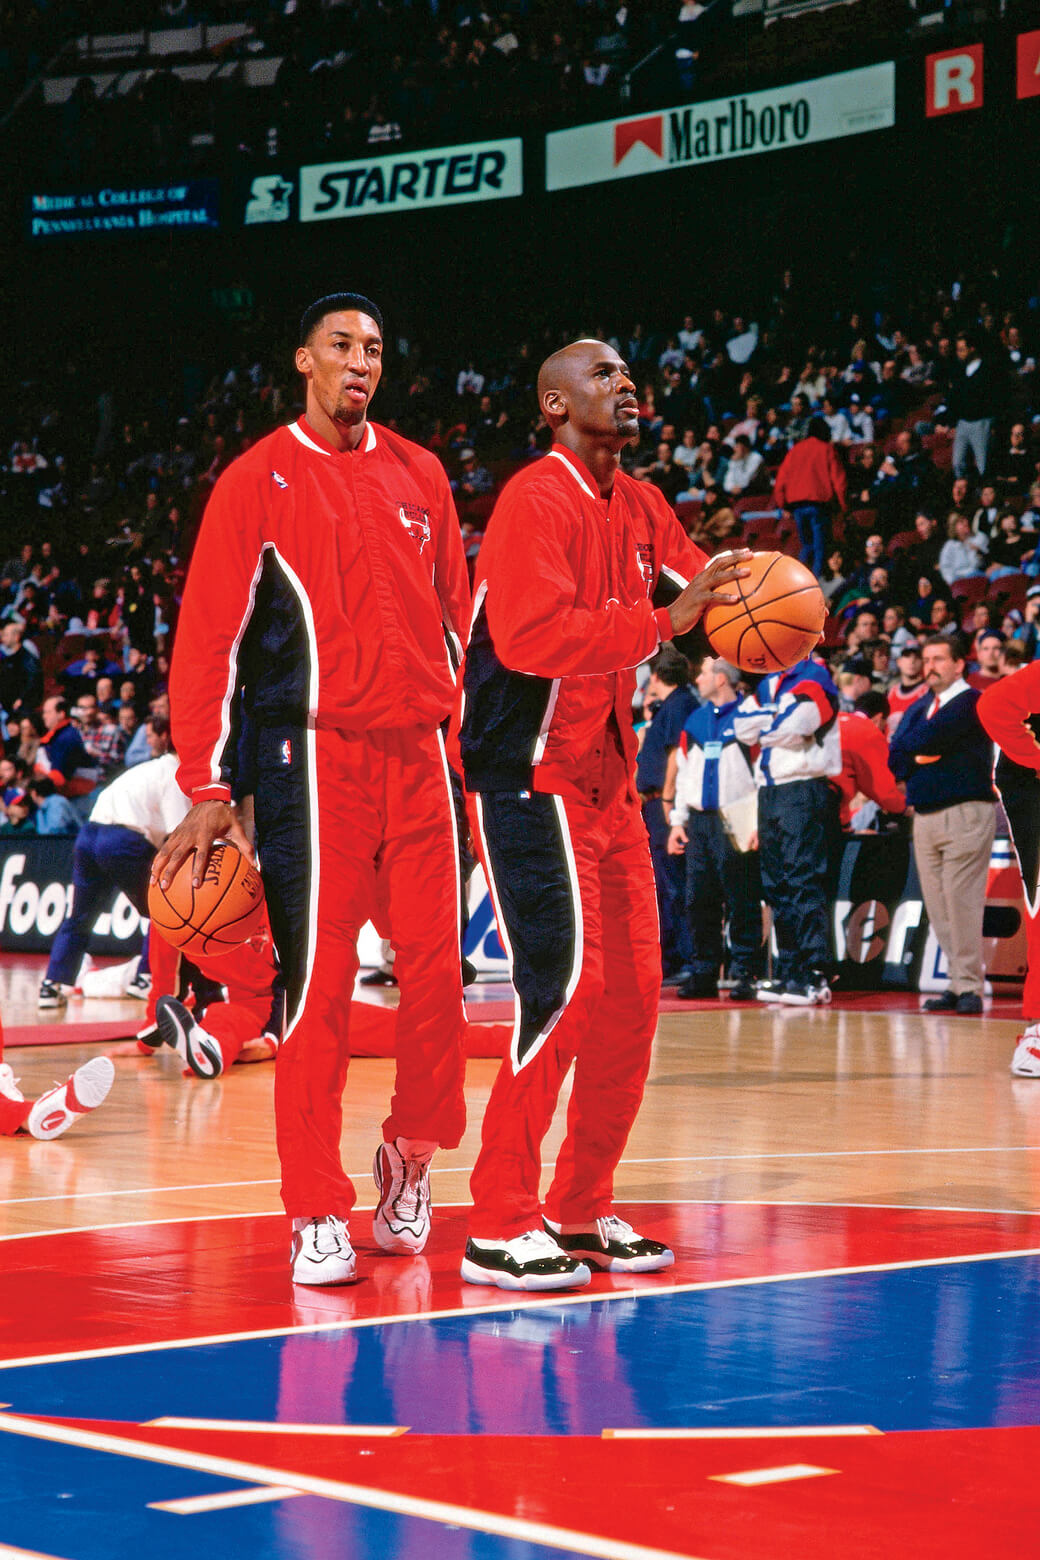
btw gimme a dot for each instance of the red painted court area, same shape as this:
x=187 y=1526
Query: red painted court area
x=807 y=1381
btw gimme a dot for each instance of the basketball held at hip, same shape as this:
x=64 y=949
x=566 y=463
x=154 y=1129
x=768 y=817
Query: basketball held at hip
x=223 y=912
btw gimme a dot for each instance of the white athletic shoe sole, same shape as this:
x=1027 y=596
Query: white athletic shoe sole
x=54 y=1112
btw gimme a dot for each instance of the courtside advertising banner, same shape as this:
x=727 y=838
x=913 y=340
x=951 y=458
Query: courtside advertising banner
x=801 y=114
x=36 y=895
x=412 y=181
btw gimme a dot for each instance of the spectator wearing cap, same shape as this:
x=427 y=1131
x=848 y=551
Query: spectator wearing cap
x=909 y=685
x=473 y=480
x=810 y=480
x=861 y=423
x=710 y=777
x=946 y=759
x=987 y=670
x=19 y=819
x=854 y=679
x=864 y=758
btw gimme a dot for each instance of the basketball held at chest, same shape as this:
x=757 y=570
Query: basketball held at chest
x=224 y=911
x=776 y=622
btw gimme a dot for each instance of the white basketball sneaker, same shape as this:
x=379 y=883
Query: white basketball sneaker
x=321 y=1252
x=55 y=1111
x=401 y=1171
x=1026 y=1060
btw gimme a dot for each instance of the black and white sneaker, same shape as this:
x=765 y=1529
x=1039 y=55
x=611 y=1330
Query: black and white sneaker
x=51 y=995
x=321 y=1252
x=612 y=1246
x=769 y=990
x=196 y=1048
x=140 y=986
x=532 y=1260
x=811 y=993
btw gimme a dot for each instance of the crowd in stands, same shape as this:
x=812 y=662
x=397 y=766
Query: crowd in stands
x=351 y=76
x=928 y=424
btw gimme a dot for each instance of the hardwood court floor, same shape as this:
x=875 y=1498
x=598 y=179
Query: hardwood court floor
x=854 y=1201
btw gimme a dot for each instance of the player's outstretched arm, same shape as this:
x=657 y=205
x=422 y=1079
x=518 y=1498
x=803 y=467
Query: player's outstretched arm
x=206 y=823
x=689 y=607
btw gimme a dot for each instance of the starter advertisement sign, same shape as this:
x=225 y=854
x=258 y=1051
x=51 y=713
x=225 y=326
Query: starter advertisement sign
x=412 y=181
x=805 y=112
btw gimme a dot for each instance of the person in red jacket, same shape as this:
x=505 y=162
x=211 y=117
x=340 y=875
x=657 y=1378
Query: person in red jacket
x=584 y=572
x=1010 y=713
x=239 y=1006
x=329 y=591
x=810 y=478
x=864 y=758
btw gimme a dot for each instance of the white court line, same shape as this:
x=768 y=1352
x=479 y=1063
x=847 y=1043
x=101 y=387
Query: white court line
x=755 y=1476
x=588 y=1544
x=762 y=1433
x=272 y=1427
x=7 y=1553
x=548 y=1164
x=197 y=1505
x=548 y=1302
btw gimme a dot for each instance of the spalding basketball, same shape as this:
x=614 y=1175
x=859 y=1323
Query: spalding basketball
x=224 y=911
x=778 y=619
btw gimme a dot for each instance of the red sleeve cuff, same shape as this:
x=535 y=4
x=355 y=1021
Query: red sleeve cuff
x=210 y=793
x=662 y=618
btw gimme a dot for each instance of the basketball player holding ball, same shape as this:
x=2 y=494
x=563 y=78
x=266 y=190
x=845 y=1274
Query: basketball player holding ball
x=329 y=583
x=583 y=573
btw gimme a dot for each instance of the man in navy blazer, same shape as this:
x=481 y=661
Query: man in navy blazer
x=946 y=759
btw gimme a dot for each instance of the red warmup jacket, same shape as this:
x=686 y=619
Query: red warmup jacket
x=864 y=766
x=810 y=473
x=581 y=585
x=330 y=585
x=1010 y=713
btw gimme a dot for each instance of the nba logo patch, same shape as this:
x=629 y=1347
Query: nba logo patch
x=287 y=751
x=279 y=479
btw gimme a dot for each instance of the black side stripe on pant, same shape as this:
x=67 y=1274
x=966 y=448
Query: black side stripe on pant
x=534 y=888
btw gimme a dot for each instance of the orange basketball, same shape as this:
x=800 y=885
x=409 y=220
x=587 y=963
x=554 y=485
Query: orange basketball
x=778 y=619
x=224 y=911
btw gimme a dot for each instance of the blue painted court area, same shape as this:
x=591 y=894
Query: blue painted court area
x=96 y=1507
x=952 y=1346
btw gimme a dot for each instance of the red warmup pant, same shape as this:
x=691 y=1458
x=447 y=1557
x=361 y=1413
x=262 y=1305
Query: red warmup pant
x=609 y=998
x=380 y=832
x=247 y=973
x=13 y=1115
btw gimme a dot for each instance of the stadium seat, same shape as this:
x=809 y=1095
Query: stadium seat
x=900 y=542
x=1009 y=590
x=971 y=590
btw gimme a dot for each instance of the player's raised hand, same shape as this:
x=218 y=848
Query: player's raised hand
x=689 y=607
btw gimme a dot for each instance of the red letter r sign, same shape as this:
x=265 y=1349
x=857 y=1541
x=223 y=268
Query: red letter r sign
x=953 y=81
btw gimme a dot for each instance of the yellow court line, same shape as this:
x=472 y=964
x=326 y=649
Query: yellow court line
x=756 y=1476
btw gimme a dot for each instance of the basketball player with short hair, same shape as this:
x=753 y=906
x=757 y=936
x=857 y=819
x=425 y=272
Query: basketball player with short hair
x=573 y=583
x=329 y=583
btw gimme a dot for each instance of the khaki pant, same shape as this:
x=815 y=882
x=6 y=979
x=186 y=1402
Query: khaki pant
x=952 y=849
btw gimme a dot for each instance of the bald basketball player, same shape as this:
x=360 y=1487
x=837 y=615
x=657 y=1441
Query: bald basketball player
x=583 y=574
